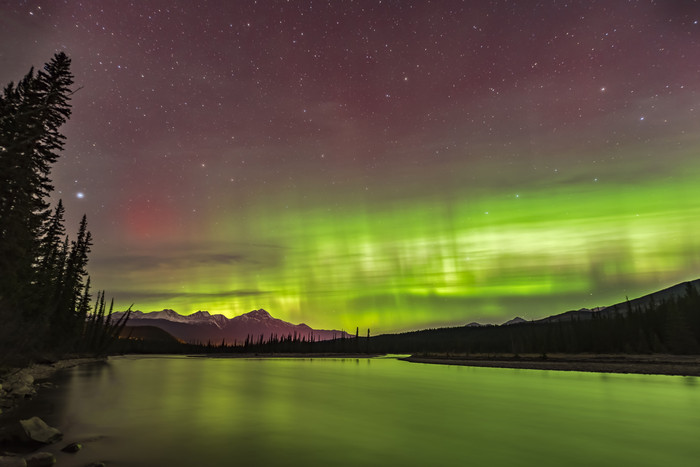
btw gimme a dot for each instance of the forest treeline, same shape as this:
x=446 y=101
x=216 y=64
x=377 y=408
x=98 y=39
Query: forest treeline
x=668 y=326
x=45 y=300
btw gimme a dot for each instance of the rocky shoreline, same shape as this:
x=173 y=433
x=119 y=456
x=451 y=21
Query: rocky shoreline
x=655 y=364
x=22 y=441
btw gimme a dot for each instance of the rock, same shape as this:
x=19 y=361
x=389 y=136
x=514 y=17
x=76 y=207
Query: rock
x=72 y=447
x=20 y=384
x=23 y=390
x=27 y=379
x=11 y=461
x=37 y=430
x=40 y=459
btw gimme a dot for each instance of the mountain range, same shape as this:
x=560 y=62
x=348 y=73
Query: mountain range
x=203 y=327
x=675 y=291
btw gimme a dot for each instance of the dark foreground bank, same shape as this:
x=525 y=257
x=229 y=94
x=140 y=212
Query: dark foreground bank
x=656 y=364
x=24 y=438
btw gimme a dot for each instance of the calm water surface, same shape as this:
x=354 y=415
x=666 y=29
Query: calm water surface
x=177 y=411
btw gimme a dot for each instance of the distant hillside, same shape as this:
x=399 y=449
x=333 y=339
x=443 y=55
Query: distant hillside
x=516 y=320
x=670 y=293
x=202 y=327
x=667 y=321
x=148 y=333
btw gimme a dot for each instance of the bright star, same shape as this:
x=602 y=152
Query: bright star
x=80 y=195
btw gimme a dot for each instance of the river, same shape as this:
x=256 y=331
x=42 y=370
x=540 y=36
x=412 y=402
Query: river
x=183 y=411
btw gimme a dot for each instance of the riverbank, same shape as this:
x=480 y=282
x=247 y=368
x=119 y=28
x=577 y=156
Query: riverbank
x=655 y=364
x=17 y=384
x=26 y=439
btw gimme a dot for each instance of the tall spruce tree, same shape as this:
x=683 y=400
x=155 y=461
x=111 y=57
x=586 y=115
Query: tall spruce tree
x=32 y=256
x=68 y=307
x=31 y=114
x=44 y=301
x=51 y=253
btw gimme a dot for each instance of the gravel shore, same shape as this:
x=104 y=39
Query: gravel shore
x=20 y=383
x=656 y=364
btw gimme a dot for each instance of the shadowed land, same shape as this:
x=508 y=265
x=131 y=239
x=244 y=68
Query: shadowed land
x=657 y=364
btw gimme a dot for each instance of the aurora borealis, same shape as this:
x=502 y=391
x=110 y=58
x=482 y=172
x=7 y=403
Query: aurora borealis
x=388 y=165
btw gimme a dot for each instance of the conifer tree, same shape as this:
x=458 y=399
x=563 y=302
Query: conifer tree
x=51 y=256
x=42 y=287
x=66 y=314
x=31 y=257
x=30 y=116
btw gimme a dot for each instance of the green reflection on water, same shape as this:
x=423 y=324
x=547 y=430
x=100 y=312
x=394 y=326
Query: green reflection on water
x=179 y=411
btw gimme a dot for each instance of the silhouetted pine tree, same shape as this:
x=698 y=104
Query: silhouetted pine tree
x=70 y=308
x=42 y=288
x=50 y=252
x=84 y=305
x=30 y=116
x=99 y=331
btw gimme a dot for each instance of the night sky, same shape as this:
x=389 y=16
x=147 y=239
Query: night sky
x=392 y=165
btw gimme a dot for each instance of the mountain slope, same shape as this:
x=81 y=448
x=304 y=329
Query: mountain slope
x=675 y=291
x=147 y=333
x=203 y=327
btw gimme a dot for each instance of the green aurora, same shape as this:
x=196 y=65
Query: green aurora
x=410 y=260
x=383 y=165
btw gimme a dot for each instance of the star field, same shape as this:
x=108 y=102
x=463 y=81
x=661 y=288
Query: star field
x=393 y=165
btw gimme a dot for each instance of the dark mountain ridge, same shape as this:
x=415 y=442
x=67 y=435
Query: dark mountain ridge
x=622 y=308
x=666 y=321
x=202 y=327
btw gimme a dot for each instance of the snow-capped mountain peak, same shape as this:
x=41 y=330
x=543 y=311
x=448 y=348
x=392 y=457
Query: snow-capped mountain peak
x=200 y=314
x=169 y=315
x=202 y=326
x=206 y=318
x=217 y=320
x=257 y=314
